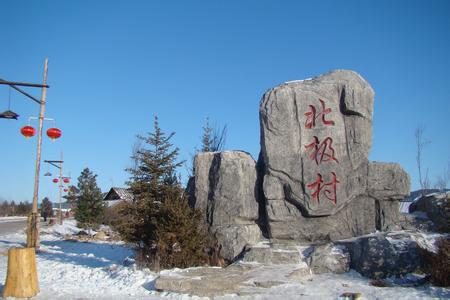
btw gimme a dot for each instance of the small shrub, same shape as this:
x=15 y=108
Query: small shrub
x=181 y=241
x=124 y=219
x=438 y=264
x=112 y=216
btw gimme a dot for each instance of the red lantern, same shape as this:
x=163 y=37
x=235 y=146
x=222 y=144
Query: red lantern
x=28 y=131
x=54 y=133
x=65 y=190
x=66 y=180
x=55 y=180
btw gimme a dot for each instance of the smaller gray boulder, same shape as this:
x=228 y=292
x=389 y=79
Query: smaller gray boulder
x=234 y=238
x=224 y=188
x=387 y=181
x=384 y=254
x=437 y=208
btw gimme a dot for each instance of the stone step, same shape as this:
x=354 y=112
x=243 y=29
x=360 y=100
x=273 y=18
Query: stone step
x=274 y=254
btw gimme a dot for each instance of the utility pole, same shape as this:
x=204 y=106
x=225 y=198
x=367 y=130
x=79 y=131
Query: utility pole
x=21 y=279
x=59 y=164
x=60 y=188
x=33 y=223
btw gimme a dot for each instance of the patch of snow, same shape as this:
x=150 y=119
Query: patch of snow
x=332 y=286
x=439 y=195
x=404 y=207
x=338 y=249
x=12 y=219
x=284 y=251
x=298 y=81
x=427 y=240
x=69 y=227
x=262 y=244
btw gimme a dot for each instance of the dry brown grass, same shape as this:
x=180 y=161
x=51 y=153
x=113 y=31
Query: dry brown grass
x=438 y=264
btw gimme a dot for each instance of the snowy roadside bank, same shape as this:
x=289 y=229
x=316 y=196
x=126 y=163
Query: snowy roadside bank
x=105 y=270
x=12 y=219
x=70 y=269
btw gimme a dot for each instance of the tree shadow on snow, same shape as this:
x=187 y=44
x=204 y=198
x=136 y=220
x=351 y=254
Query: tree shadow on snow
x=150 y=286
x=16 y=244
x=89 y=254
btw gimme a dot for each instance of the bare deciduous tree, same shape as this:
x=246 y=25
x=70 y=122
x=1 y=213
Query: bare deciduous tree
x=214 y=138
x=443 y=179
x=420 y=144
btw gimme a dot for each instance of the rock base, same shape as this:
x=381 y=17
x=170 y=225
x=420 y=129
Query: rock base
x=240 y=279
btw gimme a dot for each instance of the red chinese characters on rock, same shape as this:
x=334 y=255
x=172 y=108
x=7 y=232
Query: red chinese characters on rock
x=312 y=115
x=321 y=189
x=321 y=152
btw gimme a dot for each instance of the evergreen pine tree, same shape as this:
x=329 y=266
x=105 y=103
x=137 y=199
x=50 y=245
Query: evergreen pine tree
x=213 y=138
x=72 y=196
x=159 y=201
x=46 y=209
x=89 y=210
x=150 y=182
x=207 y=137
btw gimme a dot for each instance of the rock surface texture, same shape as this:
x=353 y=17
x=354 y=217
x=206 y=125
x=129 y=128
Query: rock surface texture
x=237 y=279
x=318 y=183
x=225 y=190
x=329 y=258
x=385 y=254
x=437 y=209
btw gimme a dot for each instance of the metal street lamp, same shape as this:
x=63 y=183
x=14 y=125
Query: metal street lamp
x=8 y=114
x=59 y=164
x=33 y=224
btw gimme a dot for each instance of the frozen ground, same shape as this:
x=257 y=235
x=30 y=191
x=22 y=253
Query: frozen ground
x=103 y=270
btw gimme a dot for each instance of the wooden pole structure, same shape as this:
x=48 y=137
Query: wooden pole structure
x=21 y=278
x=33 y=226
x=60 y=188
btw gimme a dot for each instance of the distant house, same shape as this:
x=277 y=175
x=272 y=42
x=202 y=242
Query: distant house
x=66 y=208
x=117 y=195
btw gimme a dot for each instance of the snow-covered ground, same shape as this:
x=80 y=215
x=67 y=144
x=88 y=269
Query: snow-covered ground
x=12 y=219
x=106 y=270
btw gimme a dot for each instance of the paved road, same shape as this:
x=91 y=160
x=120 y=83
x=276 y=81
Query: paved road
x=12 y=226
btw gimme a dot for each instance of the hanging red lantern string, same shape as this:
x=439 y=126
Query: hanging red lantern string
x=28 y=131
x=53 y=133
x=66 y=180
x=65 y=190
x=55 y=180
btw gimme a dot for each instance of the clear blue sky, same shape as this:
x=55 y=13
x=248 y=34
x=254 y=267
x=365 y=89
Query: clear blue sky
x=114 y=64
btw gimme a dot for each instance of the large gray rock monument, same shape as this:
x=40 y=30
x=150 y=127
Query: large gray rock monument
x=313 y=180
x=318 y=183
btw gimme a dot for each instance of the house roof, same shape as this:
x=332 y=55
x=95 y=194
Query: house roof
x=116 y=193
